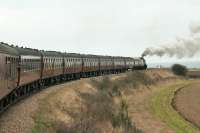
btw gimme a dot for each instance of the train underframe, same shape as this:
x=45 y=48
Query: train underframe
x=30 y=88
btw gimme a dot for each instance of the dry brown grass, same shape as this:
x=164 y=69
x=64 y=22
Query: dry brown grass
x=94 y=105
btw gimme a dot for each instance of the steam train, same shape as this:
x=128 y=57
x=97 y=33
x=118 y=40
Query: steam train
x=24 y=71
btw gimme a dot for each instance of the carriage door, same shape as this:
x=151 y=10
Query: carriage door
x=11 y=73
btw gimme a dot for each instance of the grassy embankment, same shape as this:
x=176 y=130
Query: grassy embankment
x=98 y=111
x=160 y=106
x=95 y=111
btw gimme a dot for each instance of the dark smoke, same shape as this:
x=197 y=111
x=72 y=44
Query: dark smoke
x=182 y=47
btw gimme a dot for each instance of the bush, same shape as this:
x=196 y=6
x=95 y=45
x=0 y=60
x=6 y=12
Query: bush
x=179 y=69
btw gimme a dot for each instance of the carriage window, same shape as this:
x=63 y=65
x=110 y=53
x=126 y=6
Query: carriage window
x=11 y=67
x=8 y=60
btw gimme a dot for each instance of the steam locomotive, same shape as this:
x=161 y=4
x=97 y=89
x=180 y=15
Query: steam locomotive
x=24 y=71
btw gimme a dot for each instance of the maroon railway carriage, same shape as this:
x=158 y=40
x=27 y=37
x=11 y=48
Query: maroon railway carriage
x=52 y=68
x=119 y=64
x=91 y=65
x=30 y=65
x=8 y=69
x=72 y=65
x=106 y=64
x=129 y=63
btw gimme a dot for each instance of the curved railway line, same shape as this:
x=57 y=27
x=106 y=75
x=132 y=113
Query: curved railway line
x=25 y=71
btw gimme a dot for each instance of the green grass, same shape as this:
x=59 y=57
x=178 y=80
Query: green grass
x=194 y=69
x=41 y=122
x=160 y=106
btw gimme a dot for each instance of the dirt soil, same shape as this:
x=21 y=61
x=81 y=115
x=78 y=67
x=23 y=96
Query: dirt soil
x=194 y=73
x=19 y=118
x=187 y=102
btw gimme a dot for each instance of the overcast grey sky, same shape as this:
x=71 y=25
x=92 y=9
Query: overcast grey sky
x=108 y=27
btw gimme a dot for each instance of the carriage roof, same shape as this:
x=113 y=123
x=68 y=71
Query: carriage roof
x=89 y=56
x=28 y=51
x=75 y=55
x=52 y=53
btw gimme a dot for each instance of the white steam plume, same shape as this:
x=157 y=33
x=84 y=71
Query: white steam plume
x=182 y=47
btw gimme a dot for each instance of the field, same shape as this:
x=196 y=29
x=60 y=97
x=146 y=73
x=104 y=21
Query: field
x=194 y=73
x=161 y=105
x=187 y=102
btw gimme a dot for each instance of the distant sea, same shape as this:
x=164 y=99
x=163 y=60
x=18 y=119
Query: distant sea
x=189 y=64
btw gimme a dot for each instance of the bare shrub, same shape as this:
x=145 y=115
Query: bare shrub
x=81 y=126
x=122 y=119
x=139 y=77
x=100 y=107
x=102 y=84
x=107 y=86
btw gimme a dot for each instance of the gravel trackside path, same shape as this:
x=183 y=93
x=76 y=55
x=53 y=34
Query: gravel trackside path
x=18 y=118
